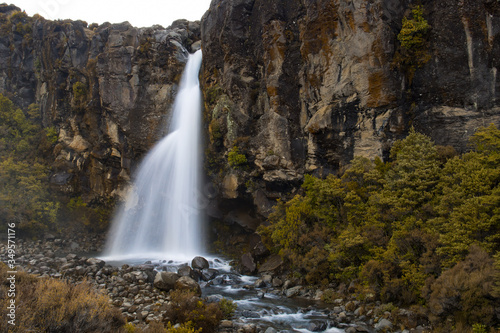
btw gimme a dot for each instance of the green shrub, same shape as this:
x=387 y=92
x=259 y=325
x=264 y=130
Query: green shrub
x=52 y=135
x=329 y=296
x=414 y=52
x=185 y=308
x=479 y=328
x=414 y=29
x=79 y=90
x=235 y=158
x=227 y=307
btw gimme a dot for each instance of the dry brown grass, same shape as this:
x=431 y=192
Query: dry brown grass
x=50 y=305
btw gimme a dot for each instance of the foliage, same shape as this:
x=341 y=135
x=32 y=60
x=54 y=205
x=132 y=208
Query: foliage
x=79 y=215
x=414 y=52
x=227 y=307
x=235 y=158
x=79 y=95
x=79 y=89
x=25 y=197
x=52 y=135
x=186 y=308
x=403 y=228
x=464 y=292
x=412 y=34
x=479 y=328
x=49 y=305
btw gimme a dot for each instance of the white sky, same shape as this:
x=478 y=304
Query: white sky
x=143 y=13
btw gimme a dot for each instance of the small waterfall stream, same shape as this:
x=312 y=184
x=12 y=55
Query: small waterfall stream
x=161 y=218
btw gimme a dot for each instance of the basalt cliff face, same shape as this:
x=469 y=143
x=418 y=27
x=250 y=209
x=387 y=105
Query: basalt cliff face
x=303 y=86
x=106 y=89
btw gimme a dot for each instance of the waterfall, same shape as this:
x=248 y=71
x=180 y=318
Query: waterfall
x=161 y=216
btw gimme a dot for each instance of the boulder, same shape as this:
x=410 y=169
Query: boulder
x=273 y=264
x=248 y=265
x=199 y=263
x=208 y=274
x=293 y=291
x=94 y=261
x=260 y=250
x=383 y=325
x=187 y=283
x=195 y=274
x=165 y=281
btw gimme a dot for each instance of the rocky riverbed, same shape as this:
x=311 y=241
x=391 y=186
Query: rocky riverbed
x=266 y=303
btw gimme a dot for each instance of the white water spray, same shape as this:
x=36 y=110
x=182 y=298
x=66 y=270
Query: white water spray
x=161 y=216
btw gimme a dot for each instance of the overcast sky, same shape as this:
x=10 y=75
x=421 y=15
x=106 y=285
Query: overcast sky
x=143 y=13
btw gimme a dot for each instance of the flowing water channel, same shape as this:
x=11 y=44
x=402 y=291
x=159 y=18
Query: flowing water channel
x=259 y=306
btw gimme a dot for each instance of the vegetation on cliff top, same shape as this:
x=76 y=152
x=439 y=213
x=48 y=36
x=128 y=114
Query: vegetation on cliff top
x=422 y=228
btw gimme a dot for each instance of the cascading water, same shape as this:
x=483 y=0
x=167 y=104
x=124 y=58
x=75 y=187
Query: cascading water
x=161 y=220
x=161 y=216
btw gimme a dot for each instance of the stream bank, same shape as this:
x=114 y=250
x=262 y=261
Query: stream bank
x=266 y=303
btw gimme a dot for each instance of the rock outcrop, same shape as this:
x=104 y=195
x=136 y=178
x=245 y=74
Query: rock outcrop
x=106 y=89
x=304 y=86
x=291 y=87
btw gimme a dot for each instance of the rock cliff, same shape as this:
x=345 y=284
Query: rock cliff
x=106 y=89
x=290 y=86
x=303 y=86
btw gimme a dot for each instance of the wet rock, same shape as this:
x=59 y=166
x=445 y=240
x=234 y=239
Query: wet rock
x=248 y=265
x=270 y=330
x=317 y=326
x=187 y=283
x=165 y=281
x=185 y=271
x=208 y=274
x=250 y=314
x=199 y=263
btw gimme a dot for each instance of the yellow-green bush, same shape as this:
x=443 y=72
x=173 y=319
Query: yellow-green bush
x=235 y=158
x=186 y=308
x=414 y=51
